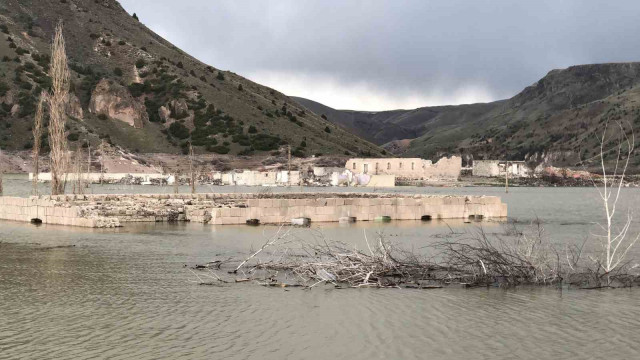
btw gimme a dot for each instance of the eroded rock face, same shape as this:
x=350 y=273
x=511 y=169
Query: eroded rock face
x=164 y=113
x=115 y=101
x=15 y=109
x=74 y=108
x=179 y=109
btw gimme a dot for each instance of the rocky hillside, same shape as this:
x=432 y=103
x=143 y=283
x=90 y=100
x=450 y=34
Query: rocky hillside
x=134 y=89
x=555 y=120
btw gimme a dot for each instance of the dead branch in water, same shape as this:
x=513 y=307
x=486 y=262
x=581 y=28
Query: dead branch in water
x=514 y=257
x=523 y=259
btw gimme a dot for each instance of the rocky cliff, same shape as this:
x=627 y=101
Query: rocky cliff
x=114 y=101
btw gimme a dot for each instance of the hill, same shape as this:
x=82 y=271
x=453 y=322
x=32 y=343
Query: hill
x=556 y=120
x=136 y=90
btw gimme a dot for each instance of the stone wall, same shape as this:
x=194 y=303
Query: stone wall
x=107 y=177
x=496 y=168
x=223 y=209
x=410 y=168
x=50 y=212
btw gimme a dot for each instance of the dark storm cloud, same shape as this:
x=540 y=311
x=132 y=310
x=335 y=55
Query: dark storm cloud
x=388 y=54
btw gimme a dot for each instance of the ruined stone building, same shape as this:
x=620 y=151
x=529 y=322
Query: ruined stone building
x=498 y=168
x=408 y=168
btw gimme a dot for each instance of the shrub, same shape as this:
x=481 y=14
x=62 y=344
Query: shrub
x=264 y=142
x=298 y=152
x=136 y=89
x=327 y=130
x=220 y=76
x=27 y=104
x=117 y=71
x=180 y=65
x=4 y=28
x=252 y=130
x=73 y=137
x=303 y=144
x=102 y=116
x=220 y=149
x=122 y=42
x=240 y=87
x=94 y=36
x=152 y=110
x=135 y=17
x=323 y=116
x=140 y=63
x=246 y=152
x=178 y=130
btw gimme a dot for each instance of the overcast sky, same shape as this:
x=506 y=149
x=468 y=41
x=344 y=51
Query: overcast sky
x=380 y=55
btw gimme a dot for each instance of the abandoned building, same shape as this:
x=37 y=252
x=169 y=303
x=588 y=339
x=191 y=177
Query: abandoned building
x=408 y=168
x=498 y=168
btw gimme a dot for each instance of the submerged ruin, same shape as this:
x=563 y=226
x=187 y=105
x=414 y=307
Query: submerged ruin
x=100 y=211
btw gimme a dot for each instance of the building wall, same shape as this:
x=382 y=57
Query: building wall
x=258 y=178
x=411 y=168
x=496 y=168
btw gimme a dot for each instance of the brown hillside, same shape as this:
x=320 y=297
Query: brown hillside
x=152 y=97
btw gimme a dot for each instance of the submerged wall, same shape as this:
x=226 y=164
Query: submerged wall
x=223 y=209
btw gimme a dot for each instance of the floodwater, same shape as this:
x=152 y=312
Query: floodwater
x=69 y=293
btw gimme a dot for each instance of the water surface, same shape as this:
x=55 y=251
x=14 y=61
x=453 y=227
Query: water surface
x=72 y=293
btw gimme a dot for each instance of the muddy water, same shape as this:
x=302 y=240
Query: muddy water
x=68 y=293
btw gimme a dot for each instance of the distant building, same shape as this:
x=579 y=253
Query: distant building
x=498 y=168
x=408 y=168
x=258 y=178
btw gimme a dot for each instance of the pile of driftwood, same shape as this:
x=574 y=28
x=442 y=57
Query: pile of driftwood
x=509 y=258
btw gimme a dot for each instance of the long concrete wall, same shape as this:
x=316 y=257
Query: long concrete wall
x=97 y=177
x=223 y=209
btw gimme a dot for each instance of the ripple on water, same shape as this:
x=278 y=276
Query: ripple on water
x=124 y=294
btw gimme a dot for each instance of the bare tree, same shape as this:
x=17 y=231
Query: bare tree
x=59 y=73
x=192 y=170
x=78 y=183
x=37 y=139
x=615 y=242
x=1 y=188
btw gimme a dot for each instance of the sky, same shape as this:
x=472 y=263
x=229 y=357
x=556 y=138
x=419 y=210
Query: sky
x=396 y=54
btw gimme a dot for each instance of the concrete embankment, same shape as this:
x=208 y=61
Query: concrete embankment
x=101 y=211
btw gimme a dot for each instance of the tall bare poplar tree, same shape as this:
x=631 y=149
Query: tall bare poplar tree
x=37 y=137
x=1 y=189
x=59 y=73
